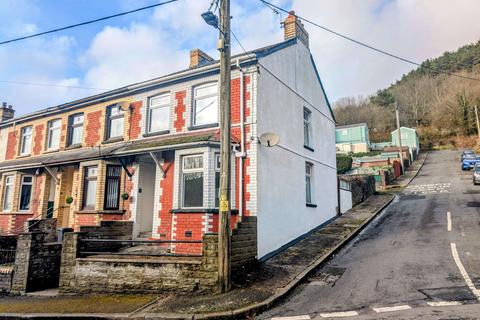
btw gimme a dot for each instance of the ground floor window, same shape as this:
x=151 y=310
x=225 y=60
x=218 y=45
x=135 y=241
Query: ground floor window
x=8 y=193
x=26 y=193
x=192 y=181
x=308 y=181
x=89 y=187
x=112 y=187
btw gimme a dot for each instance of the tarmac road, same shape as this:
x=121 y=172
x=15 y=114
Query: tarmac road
x=423 y=250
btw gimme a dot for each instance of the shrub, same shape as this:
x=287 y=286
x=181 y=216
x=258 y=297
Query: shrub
x=344 y=164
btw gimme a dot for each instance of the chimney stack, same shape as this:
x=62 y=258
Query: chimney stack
x=293 y=28
x=6 y=112
x=199 y=58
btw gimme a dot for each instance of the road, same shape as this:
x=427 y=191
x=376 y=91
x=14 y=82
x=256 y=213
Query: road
x=421 y=253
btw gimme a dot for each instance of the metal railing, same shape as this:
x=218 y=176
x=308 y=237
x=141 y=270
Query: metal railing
x=7 y=256
x=120 y=247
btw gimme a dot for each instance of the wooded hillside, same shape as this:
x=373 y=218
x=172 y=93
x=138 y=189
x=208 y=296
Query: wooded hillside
x=440 y=106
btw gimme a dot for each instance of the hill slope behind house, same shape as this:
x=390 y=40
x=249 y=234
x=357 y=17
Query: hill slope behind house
x=440 y=106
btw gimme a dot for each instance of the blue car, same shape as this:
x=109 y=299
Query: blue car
x=469 y=163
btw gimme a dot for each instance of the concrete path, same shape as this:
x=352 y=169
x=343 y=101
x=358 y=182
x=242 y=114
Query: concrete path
x=421 y=252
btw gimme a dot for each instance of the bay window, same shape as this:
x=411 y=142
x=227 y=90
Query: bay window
x=205 y=104
x=192 y=181
x=159 y=113
x=25 y=140
x=26 y=193
x=112 y=187
x=53 y=134
x=8 y=193
x=89 y=187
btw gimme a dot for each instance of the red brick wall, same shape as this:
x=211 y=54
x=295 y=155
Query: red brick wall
x=11 y=145
x=18 y=222
x=180 y=108
x=93 y=128
x=166 y=199
x=37 y=139
x=135 y=118
x=5 y=223
x=128 y=189
x=189 y=222
x=37 y=194
x=84 y=220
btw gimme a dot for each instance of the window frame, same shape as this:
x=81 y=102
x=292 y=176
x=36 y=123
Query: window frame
x=12 y=186
x=109 y=118
x=309 y=185
x=86 y=179
x=307 y=128
x=194 y=104
x=216 y=169
x=150 y=110
x=23 y=183
x=184 y=171
x=72 y=126
x=49 y=134
x=22 y=142
x=118 y=183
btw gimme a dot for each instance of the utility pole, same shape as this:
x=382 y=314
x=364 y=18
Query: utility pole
x=225 y=146
x=399 y=137
x=478 y=124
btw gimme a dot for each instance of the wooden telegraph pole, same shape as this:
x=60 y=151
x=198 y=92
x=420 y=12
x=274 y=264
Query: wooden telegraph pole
x=399 y=137
x=225 y=146
x=478 y=124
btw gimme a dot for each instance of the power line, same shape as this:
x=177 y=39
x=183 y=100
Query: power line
x=87 y=22
x=281 y=81
x=49 y=85
x=271 y=6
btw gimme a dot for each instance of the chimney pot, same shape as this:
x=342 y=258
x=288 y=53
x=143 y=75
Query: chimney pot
x=294 y=28
x=4 y=104
x=6 y=112
x=199 y=58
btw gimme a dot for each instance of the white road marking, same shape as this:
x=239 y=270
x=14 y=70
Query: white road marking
x=304 y=317
x=443 y=303
x=463 y=272
x=391 y=309
x=339 y=314
x=449 y=221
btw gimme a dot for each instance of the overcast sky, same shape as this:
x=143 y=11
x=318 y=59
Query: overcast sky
x=155 y=42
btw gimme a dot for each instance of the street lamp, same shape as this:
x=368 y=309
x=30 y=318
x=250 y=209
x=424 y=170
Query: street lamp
x=210 y=18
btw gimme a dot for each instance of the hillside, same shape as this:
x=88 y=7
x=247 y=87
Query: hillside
x=440 y=106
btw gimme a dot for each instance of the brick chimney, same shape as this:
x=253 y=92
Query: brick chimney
x=293 y=28
x=6 y=112
x=199 y=58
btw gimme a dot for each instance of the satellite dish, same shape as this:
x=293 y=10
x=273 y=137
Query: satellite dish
x=269 y=139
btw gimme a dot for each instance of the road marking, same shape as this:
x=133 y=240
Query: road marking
x=339 y=314
x=449 y=221
x=391 y=309
x=304 y=317
x=443 y=303
x=463 y=272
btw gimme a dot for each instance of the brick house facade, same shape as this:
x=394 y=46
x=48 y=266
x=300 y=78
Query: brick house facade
x=149 y=152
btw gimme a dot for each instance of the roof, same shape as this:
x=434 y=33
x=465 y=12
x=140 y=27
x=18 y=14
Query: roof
x=362 y=124
x=155 y=82
x=405 y=128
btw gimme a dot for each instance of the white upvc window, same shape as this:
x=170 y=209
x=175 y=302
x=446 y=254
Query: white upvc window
x=159 y=113
x=115 y=121
x=53 y=135
x=307 y=127
x=308 y=182
x=205 y=104
x=192 y=181
x=25 y=193
x=25 y=140
x=8 y=193
x=75 y=129
x=89 y=187
x=217 y=179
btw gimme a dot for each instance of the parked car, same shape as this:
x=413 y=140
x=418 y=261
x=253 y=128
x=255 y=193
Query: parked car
x=469 y=163
x=476 y=174
x=468 y=154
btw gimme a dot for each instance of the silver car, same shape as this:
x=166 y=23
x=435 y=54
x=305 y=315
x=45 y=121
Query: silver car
x=476 y=174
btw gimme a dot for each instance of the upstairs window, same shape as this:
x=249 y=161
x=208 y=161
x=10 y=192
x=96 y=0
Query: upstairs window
x=89 y=187
x=192 y=181
x=25 y=141
x=307 y=127
x=205 y=105
x=159 y=113
x=53 y=136
x=8 y=193
x=115 y=119
x=26 y=193
x=75 y=129
x=308 y=182
x=112 y=187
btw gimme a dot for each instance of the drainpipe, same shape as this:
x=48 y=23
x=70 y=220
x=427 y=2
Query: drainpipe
x=242 y=139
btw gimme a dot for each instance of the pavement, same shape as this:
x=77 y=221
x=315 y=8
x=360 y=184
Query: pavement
x=279 y=279
x=418 y=259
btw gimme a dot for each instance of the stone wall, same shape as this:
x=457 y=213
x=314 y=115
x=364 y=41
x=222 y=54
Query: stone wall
x=37 y=263
x=48 y=226
x=361 y=187
x=244 y=245
x=138 y=275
